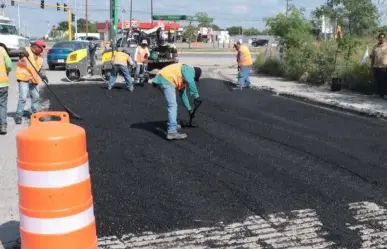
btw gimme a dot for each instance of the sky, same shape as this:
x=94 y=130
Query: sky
x=246 y=13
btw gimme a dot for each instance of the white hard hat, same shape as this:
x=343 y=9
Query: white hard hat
x=144 y=42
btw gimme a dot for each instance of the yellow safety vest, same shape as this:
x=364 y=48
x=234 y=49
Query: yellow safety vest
x=140 y=56
x=245 y=57
x=121 y=58
x=25 y=71
x=173 y=75
x=3 y=68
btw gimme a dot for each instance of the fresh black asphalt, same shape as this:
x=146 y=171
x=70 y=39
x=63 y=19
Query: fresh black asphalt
x=253 y=153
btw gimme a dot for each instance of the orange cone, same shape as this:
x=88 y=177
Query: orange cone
x=55 y=197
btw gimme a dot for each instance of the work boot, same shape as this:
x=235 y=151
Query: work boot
x=3 y=129
x=176 y=136
x=18 y=120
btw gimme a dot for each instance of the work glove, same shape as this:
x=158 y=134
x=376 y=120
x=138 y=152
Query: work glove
x=44 y=78
x=23 y=54
x=197 y=102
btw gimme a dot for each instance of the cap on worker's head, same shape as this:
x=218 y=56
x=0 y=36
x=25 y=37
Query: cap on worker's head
x=237 y=44
x=39 y=43
x=198 y=73
x=144 y=42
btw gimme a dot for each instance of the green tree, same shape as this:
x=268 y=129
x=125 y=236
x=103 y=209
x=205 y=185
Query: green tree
x=190 y=33
x=293 y=30
x=357 y=17
x=203 y=19
x=235 y=30
x=251 y=32
x=81 y=23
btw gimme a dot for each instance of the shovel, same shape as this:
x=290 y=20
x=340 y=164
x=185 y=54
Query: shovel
x=70 y=112
x=191 y=117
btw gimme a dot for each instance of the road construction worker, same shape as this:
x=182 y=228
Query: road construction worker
x=5 y=68
x=141 y=57
x=245 y=63
x=121 y=63
x=28 y=71
x=172 y=78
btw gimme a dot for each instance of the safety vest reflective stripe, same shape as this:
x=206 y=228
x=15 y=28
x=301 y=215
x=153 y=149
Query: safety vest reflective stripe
x=25 y=71
x=120 y=58
x=141 y=53
x=173 y=74
x=245 y=56
x=3 y=69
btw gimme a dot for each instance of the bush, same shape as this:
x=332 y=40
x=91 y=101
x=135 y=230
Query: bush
x=322 y=64
x=297 y=61
x=270 y=66
x=358 y=78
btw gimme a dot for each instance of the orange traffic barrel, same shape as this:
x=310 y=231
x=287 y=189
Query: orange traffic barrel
x=55 y=197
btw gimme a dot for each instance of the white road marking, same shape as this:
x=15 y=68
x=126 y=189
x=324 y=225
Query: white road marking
x=372 y=224
x=302 y=230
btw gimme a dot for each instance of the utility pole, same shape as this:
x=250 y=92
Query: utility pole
x=87 y=19
x=131 y=12
x=76 y=16
x=152 y=13
x=18 y=18
x=287 y=6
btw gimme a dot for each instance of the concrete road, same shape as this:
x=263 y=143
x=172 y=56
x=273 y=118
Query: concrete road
x=260 y=172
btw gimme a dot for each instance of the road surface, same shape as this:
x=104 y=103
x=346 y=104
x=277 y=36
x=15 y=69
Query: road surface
x=260 y=172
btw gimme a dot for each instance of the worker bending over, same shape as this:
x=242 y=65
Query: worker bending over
x=245 y=62
x=29 y=69
x=170 y=79
x=5 y=68
x=141 y=57
x=121 y=63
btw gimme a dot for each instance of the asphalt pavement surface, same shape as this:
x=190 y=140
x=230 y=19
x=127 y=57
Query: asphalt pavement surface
x=253 y=154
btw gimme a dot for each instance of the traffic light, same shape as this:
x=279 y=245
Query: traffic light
x=42 y=4
x=73 y=17
x=57 y=6
x=64 y=7
x=12 y=3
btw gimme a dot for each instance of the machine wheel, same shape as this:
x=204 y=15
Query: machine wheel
x=73 y=75
x=51 y=67
x=105 y=74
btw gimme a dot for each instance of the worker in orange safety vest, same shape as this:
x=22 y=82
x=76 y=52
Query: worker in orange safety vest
x=245 y=63
x=121 y=63
x=29 y=69
x=141 y=57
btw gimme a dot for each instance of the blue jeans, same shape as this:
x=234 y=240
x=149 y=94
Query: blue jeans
x=125 y=73
x=244 y=77
x=24 y=89
x=170 y=96
x=140 y=70
x=3 y=105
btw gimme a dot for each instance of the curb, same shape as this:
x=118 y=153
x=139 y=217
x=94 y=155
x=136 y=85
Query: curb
x=335 y=105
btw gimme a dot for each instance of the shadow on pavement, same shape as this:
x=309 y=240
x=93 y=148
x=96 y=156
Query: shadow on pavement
x=157 y=127
x=9 y=234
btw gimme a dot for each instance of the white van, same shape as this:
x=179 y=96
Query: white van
x=9 y=38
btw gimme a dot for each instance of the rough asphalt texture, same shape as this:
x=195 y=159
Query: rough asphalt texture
x=253 y=154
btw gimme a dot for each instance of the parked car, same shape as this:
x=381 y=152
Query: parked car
x=259 y=43
x=57 y=55
x=92 y=39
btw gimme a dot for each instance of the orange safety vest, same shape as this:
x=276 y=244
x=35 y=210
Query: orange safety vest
x=173 y=75
x=245 y=57
x=25 y=71
x=121 y=58
x=141 y=54
x=3 y=68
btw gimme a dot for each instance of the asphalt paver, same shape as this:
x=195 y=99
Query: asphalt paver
x=252 y=154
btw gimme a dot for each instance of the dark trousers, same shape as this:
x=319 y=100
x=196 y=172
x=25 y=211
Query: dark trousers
x=380 y=77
